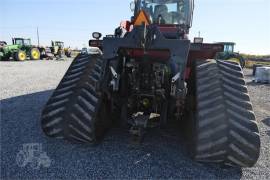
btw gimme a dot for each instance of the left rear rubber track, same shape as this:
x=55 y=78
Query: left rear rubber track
x=73 y=111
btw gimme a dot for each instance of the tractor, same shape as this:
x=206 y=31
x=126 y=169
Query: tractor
x=149 y=75
x=59 y=50
x=230 y=55
x=19 y=50
x=3 y=43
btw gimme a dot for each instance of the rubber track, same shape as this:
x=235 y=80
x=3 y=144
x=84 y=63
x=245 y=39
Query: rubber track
x=71 y=112
x=226 y=127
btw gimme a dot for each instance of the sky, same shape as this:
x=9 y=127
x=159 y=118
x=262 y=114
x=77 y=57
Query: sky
x=246 y=22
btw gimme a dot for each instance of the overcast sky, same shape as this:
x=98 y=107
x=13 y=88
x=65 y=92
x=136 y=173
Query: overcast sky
x=246 y=22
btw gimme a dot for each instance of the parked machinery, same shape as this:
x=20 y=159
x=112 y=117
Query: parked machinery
x=3 y=43
x=230 y=55
x=19 y=50
x=150 y=74
x=59 y=50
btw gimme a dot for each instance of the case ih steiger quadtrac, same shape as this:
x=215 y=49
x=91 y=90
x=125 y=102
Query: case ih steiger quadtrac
x=149 y=73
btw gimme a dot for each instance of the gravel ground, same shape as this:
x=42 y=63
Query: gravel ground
x=25 y=88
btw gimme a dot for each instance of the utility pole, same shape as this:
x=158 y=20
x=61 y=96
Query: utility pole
x=38 y=36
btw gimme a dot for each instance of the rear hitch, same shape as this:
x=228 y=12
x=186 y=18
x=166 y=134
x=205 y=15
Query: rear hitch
x=139 y=123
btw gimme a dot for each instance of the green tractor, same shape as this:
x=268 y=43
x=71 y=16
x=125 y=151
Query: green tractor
x=19 y=50
x=229 y=54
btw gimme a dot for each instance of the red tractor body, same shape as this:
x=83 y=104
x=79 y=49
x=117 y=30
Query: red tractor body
x=150 y=75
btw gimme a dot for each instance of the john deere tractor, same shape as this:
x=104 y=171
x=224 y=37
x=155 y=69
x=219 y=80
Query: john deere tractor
x=230 y=55
x=150 y=75
x=59 y=50
x=19 y=50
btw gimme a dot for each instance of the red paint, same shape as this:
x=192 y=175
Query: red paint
x=155 y=54
x=95 y=43
x=187 y=73
x=168 y=28
x=126 y=25
x=201 y=52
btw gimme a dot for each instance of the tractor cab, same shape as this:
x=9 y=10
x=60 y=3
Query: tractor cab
x=57 y=48
x=228 y=47
x=58 y=44
x=21 y=41
x=173 y=18
x=166 y=12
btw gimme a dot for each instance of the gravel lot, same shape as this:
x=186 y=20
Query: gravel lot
x=25 y=88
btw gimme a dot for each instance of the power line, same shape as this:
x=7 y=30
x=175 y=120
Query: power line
x=38 y=36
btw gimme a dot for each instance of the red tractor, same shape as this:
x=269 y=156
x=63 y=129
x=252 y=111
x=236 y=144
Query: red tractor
x=149 y=75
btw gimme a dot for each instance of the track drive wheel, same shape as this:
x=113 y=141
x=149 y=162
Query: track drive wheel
x=225 y=128
x=78 y=110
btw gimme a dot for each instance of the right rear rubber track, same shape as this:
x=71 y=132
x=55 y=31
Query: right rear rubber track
x=226 y=128
x=74 y=110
